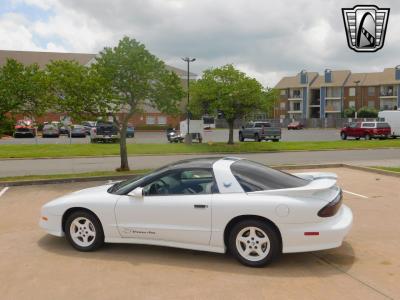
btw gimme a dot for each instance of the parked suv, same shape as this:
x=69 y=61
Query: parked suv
x=366 y=130
x=104 y=132
x=259 y=131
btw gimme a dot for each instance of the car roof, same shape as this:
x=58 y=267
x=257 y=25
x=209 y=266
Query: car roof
x=203 y=162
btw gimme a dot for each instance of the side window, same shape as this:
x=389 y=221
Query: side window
x=182 y=182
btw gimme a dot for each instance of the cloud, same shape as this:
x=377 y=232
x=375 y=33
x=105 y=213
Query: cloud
x=267 y=39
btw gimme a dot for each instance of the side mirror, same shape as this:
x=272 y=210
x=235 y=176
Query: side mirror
x=137 y=193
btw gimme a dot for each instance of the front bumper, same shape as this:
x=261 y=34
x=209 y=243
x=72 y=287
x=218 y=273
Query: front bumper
x=332 y=232
x=52 y=225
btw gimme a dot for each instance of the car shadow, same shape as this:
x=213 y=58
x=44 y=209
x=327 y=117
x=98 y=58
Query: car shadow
x=323 y=263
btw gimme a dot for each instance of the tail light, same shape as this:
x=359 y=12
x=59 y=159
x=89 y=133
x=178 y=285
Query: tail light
x=332 y=207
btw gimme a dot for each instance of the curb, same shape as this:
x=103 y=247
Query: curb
x=126 y=176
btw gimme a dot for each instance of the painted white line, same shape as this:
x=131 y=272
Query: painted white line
x=351 y=193
x=2 y=192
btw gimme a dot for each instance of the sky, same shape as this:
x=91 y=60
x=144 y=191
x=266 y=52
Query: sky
x=266 y=39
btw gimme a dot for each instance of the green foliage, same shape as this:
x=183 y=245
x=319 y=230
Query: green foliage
x=135 y=78
x=23 y=89
x=349 y=112
x=6 y=126
x=229 y=91
x=77 y=91
x=367 y=112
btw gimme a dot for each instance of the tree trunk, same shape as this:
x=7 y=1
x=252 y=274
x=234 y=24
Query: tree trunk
x=230 y=124
x=122 y=148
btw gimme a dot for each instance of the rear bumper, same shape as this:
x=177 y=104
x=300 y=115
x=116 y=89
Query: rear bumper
x=332 y=232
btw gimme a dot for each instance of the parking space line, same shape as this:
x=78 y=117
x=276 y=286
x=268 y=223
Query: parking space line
x=2 y=192
x=351 y=193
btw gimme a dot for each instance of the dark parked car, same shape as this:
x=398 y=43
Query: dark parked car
x=50 y=130
x=295 y=125
x=259 y=131
x=366 y=130
x=78 y=131
x=106 y=132
x=130 y=131
x=64 y=129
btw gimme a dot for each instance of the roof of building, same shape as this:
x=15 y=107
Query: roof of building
x=378 y=78
x=338 y=79
x=354 y=77
x=294 y=81
x=43 y=58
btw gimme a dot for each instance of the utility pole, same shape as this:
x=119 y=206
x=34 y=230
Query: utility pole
x=188 y=137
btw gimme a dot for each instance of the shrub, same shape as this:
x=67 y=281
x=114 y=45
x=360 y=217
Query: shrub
x=367 y=112
x=6 y=126
x=349 y=112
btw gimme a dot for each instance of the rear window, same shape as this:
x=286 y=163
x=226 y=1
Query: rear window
x=259 y=125
x=257 y=177
x=368 y=125
x=382 y=125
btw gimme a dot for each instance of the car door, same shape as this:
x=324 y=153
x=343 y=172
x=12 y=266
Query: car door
x=176 y=207
x=249 y=131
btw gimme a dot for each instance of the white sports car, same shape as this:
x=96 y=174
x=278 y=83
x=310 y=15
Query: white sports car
x=210 y=204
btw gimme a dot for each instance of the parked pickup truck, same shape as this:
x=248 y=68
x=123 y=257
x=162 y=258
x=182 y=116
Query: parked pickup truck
x=259 y=131
x=366 y=130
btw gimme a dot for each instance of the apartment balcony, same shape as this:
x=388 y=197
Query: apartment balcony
x=333 y=106
x=315 y=102
x=388 y=92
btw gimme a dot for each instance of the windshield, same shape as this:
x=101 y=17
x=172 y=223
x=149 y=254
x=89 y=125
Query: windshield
x=257 y=177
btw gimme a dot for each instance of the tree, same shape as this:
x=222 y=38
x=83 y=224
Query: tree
x=230 y=92
x=367 y=112
x=77 y=90
x=23 y=90
x=136 y=78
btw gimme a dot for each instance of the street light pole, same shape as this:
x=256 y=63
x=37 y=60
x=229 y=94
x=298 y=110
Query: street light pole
x=355 y=108
x=188 y=137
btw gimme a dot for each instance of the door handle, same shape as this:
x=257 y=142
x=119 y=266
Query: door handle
x=200 y=206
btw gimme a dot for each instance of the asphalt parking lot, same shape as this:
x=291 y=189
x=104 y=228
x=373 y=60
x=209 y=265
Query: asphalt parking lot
x=216 y=135
x=367 y=266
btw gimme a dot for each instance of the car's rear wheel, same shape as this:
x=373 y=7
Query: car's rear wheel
x=257 y=138
x=254 y=243
x=343 y=136
x=367 y=137
x=84 y=231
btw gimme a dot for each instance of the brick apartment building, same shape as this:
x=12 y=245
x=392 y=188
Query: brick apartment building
x=309 y=95
x=150 y=115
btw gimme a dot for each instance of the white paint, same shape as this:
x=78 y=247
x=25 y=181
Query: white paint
x=2 y=192
x=351 y=193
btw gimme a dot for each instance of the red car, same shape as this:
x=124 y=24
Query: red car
x=295 y=126
x=366 y=130
x=24 y=128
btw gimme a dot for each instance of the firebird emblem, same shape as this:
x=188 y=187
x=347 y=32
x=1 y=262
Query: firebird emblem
x=365 y=27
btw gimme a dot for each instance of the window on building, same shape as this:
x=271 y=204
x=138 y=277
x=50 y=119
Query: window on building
x=333 y=92
x=352 y=104
x=352 y=92
x=162 y=120
x=283 y=105
x=295 y=93
x=371 y=103
x=283 y=92
x=371 y=91
x=296 y=106
x=150 y=120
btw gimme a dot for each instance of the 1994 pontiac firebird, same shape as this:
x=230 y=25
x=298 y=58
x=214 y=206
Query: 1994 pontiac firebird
x=210 y=204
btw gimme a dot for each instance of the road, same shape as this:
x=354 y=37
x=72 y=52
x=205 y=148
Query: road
x=217 y=135
x=18 y=167
x=35 y=265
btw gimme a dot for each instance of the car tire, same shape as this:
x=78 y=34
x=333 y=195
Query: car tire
x=241 y=138
x=257 y=138
x=367 y=137
x=254 y=243
x=84 y=231
x=343 y=136
x=357 y=138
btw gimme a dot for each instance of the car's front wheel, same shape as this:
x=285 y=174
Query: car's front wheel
x=84 y=231
x=343 y=136
x=254 y=243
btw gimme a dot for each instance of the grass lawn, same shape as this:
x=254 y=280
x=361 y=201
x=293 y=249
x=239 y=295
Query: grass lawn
x=36 y=151
x=391 y=169
x=74 y=175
